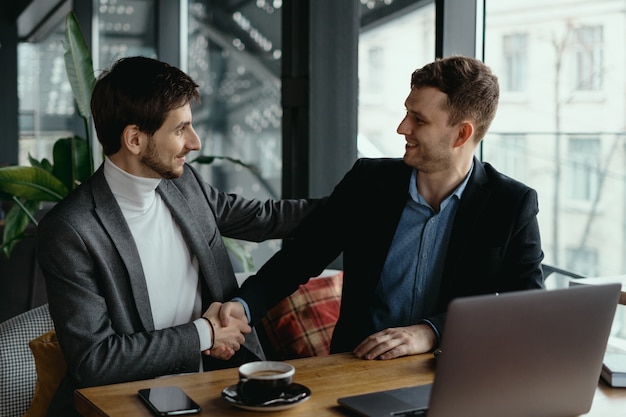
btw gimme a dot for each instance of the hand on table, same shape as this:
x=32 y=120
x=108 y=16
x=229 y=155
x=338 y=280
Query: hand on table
x=228 y=337
x=397 y=341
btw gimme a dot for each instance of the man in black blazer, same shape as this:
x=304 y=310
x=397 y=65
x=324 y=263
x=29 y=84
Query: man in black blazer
x=134 y=257
x=415 y=233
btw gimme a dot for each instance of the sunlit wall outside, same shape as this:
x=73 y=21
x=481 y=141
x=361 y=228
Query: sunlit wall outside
x=388 y=55
x=560 y=127
x=560 y=124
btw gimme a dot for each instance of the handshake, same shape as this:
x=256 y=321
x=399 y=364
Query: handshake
x=229 y=324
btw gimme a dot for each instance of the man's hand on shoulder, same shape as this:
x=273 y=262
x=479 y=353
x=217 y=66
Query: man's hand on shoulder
x=397 y=341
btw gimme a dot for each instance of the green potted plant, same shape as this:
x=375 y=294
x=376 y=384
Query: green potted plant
x=44 y=181
x=72 y=162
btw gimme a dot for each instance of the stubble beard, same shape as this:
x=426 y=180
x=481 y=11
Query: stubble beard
x=151 y=161
x=427 y=160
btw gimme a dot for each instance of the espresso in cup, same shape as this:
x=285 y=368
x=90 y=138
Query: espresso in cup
x=262 y=381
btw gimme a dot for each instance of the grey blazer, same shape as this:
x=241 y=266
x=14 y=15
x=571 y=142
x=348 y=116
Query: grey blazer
x=97 y=290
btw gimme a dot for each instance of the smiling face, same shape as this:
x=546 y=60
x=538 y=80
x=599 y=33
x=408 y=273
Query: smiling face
x=164 y=153
x=429 y=139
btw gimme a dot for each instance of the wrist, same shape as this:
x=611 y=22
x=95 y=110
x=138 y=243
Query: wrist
x=212 y=327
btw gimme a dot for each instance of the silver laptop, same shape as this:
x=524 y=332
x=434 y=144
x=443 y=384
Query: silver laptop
x=527 y=353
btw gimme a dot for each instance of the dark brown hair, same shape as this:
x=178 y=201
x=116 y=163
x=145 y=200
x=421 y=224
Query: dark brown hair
x=140 y=91
x=471 y=87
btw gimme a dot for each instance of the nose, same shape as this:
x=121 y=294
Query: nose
x=193 y=140
x=403 y=127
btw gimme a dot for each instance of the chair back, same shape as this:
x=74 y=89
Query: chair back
x=17 y=364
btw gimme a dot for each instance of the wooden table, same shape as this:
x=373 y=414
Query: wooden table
x=328 y=377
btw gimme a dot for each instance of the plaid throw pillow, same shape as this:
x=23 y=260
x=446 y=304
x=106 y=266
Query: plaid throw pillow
x=302 y=324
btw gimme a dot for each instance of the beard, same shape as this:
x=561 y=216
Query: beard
x=152 y=161
x=428 y=160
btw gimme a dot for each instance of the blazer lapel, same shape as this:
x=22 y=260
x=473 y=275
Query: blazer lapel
x=111 y=217
x=188 y=215
x=472 y=203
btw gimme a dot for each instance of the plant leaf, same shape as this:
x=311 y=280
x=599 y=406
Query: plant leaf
x=44 y=163
x=16 y=222
x=71 y=161
x=240 y=253
x=31 y=183
x=209 y=159
x=78 y=65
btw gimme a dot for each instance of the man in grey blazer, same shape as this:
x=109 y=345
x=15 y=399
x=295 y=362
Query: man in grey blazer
x=414 y=232
x=134 y=257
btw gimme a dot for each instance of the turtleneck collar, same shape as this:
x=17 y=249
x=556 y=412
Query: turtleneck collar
x=132 y=192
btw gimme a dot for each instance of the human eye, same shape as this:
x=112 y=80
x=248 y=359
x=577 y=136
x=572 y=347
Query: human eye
x=418 y=120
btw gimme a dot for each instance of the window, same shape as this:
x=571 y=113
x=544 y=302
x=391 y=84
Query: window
x=582 y=260
x=588 y=51
x=46 y=104
x=235 y=56
x=584 y=167
x=573 y=152
x=126 y=27
x=508 y=152
x=515 y=62
x=406 y=42
x=375 y=68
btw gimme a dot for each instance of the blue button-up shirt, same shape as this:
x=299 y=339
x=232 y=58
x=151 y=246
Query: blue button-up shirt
x=409 y=286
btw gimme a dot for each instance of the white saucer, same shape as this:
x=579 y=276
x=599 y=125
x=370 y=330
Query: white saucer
x=297 y=394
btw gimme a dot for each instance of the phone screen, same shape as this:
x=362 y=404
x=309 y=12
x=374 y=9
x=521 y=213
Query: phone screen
x=168 y=401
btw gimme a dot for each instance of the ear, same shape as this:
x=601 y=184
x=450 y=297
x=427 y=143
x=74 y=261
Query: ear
x=132 y=139
x=466 y=131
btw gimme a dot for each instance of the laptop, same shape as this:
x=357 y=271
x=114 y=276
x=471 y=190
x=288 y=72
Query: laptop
x=526 y=353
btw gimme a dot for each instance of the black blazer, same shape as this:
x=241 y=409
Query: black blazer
x=494 y=245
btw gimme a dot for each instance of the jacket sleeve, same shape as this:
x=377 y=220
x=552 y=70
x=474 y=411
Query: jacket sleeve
x=251 y=219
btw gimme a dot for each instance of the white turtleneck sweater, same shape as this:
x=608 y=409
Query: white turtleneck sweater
x=170 y=269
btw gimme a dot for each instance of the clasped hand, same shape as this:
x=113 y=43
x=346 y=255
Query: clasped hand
x=397 y=341
x=229 y=327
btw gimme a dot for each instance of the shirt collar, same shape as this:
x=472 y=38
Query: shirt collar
x=458 y=191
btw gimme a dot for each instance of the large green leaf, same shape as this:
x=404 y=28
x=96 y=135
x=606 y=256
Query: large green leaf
x=31 y=183
x=16 y=222
x=78 y=65
x=71 y=161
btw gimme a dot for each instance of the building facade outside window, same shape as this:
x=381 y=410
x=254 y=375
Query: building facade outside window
x=584 y=168
x=508 y=154
x=388 y=54
x=573 y=122
x=588 y=58
x=584 y=260
x=572 y=112
x=514 y=54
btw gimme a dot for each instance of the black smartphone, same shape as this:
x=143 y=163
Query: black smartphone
x=168 y=401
